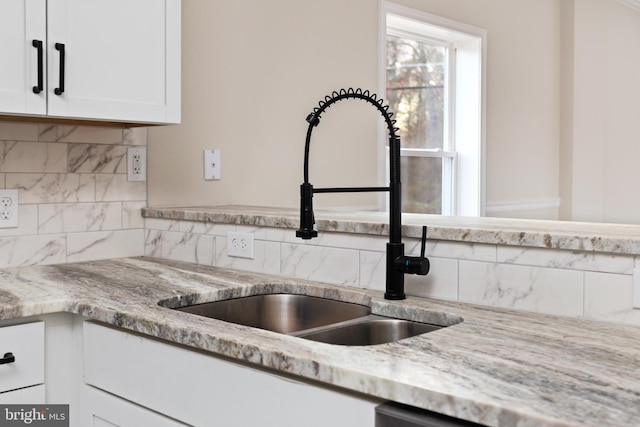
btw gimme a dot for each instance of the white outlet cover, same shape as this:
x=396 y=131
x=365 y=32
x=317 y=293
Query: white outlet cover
x=137 y=164
x=240 y=245
x=8 y=208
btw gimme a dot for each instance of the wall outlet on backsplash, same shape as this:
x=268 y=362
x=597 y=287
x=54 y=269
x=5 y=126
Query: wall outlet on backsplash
x=8 y=208
x=136 y=164
x=240 y=245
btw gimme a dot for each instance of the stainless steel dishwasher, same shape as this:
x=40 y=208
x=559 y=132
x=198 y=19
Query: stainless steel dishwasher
x=392 y=414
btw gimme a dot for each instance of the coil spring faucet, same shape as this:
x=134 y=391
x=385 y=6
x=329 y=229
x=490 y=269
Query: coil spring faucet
x=397 y=263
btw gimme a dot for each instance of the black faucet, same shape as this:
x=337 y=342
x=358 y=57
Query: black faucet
x=397 y=263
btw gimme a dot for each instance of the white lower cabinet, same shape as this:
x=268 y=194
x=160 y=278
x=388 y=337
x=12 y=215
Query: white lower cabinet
x=201 y=390
x=22 y=363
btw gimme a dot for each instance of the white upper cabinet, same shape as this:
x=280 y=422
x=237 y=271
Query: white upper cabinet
x=22 y=30
x=107 y=60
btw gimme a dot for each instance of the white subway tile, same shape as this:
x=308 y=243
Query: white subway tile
x=607 y=294
x=132 y=214
x=115 y=187
x=345 y=241
x=440 y=283
x=97 y=158
x=196 y=227
x=20 y=251
x=32 y=157
x=52 y=187
x=543 y=290
x=72 y=133
x=456 y=250
x=331 y=265
x=12 y=131
x=188 y=247
x=162 y=224
x=79 y=217
x=572 y=260
x=153 y=243
x=222 y=229
x=104 y=245
x=373 y=267
x=135 y=136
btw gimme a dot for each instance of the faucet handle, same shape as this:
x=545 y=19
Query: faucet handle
x=424 y=241
x=415 y=265
x=419 y=265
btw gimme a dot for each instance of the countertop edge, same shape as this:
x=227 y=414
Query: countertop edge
x=564 y=235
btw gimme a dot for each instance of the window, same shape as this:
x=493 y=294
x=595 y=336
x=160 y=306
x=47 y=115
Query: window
x=433 y=81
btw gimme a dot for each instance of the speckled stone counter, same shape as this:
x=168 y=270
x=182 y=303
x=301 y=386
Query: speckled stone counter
x=612 y=238
x=496 y=367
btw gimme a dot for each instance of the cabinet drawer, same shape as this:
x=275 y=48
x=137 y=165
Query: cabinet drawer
x=26 y=343
x=30 y=395
x=101 y=409
x=202 y=390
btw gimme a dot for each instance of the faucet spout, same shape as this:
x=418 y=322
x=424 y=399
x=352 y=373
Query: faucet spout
x=397 y=263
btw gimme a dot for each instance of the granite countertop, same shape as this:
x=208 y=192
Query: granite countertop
x=582 y=236
x=496 y=367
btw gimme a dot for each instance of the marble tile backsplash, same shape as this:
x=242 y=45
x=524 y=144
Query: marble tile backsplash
x=585 y=284
x=75 y=201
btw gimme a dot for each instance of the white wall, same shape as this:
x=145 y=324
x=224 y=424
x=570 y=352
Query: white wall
x=253 y=70
x=606 y=129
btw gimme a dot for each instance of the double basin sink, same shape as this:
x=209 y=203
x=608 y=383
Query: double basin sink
x=313 y=318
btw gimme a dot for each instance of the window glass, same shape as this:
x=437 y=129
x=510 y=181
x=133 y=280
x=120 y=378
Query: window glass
x=415 y=90
x=421 y=184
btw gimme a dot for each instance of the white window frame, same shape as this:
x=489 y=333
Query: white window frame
x=463 y=176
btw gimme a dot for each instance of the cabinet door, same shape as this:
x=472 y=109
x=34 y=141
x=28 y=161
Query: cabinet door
x=26 y=345
x=121 y=59
x=21 y=22
x=100 y=409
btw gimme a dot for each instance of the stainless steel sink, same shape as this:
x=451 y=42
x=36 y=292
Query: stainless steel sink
x=284 y=313
x=314 y=318
x=371 y=331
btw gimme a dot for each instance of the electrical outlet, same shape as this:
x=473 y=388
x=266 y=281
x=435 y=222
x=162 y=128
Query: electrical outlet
x=8 y=208
x=240 y=245
x=136 y=164
x=211 y=165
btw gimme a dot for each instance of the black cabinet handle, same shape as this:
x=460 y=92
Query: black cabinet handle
x=60 y=89
x=8 y=358
x=38 y=45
